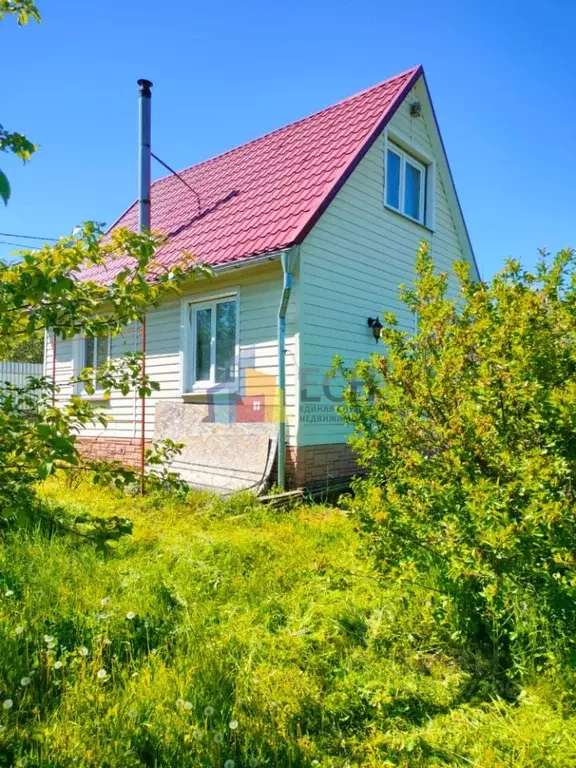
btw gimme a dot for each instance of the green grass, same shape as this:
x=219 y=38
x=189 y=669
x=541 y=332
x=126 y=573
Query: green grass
x=229 y=632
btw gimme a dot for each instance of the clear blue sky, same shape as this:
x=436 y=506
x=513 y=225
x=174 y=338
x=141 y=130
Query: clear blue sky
x=502 y=75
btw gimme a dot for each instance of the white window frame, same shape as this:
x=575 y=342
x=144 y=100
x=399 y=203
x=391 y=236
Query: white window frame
x=189 y=385
x=85 y=363
x=426 y=169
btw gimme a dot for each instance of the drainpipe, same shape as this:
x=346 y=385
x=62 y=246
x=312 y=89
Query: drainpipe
x=54 y=343
x=286 y=262
x=144 y=179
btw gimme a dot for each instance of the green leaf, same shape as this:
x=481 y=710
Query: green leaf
x=4 y=188
x=45 y=469
x=44 y=431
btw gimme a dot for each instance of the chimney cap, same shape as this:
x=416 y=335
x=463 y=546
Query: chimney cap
x=145 y=86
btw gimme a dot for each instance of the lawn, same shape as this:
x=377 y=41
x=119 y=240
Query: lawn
x=229 y=634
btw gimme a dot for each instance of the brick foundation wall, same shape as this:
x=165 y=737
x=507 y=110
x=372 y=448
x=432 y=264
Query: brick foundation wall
x=124 y=449
x=304 y=464
x=315 y=463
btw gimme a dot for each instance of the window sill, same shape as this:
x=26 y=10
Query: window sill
x=95 y=398
x=408 y=218
x=205 y=392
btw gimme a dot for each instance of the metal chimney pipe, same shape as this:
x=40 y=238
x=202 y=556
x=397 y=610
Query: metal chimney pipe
x=144 y=173
x=144 y=180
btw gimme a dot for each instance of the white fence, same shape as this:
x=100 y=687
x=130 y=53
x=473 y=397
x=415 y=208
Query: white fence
x=17 y=373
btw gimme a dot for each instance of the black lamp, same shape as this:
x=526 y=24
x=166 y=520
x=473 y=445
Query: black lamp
x=376 y=326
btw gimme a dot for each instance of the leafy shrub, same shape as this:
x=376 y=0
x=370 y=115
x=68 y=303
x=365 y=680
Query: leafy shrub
x=467 y=432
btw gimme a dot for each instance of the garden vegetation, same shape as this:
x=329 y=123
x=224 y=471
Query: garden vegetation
x=223 y=634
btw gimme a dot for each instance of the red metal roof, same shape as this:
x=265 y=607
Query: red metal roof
x=267 y=194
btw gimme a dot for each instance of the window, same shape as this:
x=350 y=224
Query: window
x=214 y=340
x=405 y=183
x=96 y=352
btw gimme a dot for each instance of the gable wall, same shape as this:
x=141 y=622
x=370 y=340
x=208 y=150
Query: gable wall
x=352 y=264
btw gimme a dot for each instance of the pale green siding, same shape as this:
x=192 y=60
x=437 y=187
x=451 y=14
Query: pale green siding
x=259 y=290
x=352 y=264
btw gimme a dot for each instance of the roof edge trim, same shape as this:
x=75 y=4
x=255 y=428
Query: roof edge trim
x=460 y=212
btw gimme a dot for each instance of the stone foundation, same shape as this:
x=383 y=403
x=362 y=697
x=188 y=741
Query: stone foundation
x=308 y=464
x=127 y=450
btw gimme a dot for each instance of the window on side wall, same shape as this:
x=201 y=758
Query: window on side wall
x=213 y=343
x=405 y=184
x=95 y=353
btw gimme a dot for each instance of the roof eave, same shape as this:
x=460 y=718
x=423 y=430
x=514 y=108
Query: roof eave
x=250 y=261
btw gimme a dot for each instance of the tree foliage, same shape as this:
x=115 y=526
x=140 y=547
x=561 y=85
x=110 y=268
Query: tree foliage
x=30 y=350
x=467 y=433
x=23 y=10
x=50 y=290
x=42 y=289
x=13 y=142
x=45 y=291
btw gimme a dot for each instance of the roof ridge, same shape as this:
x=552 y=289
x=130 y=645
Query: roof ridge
x=353 y=96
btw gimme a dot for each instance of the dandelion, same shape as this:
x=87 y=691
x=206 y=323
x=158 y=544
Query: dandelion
x=19 y=630
x=229 y=764
x=58 y=665
x=105 y=601
x=7 y=703
x=83 y=651
x=179 y=702
x=101 y=616
x=9 y=593
x=130 y=615
x=134 y=674
x=48 y=639
x=233 y=724
x=188 y=705
x=209 y=711
x=253 y=762
x=132 y=713
x=101 y=674
x=25 y=681
x=218 y=738
x=197 y=735
x=51 y=645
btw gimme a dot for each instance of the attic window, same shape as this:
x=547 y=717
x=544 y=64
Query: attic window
x=405 y=183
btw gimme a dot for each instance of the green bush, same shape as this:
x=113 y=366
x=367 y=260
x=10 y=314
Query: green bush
x=467 y=432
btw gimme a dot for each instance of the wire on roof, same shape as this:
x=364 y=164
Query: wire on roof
x=175 y=173
x=28 y=237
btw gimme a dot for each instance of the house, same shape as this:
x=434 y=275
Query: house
x=310 y=230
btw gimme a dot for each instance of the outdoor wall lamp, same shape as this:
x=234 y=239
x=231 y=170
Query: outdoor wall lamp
x=376 y=326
